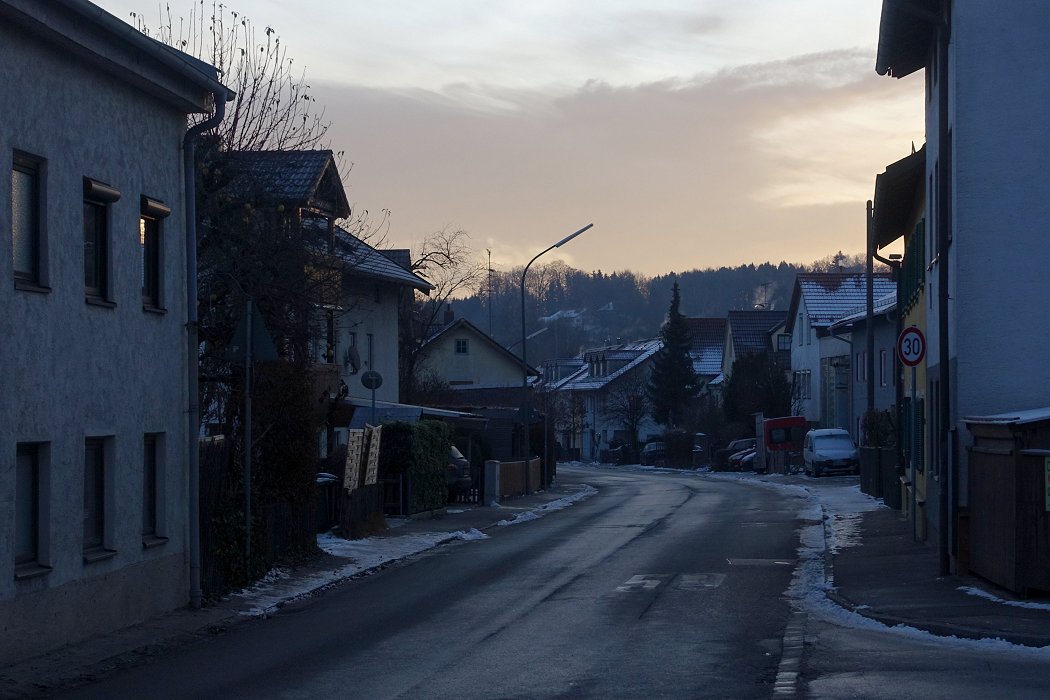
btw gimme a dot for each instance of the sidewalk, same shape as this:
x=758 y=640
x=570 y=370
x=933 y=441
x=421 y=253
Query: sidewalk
x=892 y=579
x=99 y=656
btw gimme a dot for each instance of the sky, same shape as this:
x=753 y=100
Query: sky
x=692 y=134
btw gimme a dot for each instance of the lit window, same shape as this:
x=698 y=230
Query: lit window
x=149 y=245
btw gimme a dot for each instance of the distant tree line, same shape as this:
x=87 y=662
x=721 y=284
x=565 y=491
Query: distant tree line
x=567 y=310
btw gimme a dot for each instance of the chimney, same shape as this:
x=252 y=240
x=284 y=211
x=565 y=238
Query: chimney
x=449 y=316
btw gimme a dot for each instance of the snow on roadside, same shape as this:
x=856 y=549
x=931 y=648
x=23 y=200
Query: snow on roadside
x=279 y=586
x=1012 y=603
x=585 y=492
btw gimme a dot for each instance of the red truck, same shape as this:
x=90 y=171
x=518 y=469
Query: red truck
x=782 y=443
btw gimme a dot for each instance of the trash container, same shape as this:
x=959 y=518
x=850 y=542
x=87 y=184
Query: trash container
x=1009 y=499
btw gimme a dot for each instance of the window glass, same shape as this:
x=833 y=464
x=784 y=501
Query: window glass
x=95 y=248
x=149 y=486
x=27 y=504
x=94 y=492
x=149 y=244
x=25 y=225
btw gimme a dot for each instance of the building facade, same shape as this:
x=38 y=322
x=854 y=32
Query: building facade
x=94 y=466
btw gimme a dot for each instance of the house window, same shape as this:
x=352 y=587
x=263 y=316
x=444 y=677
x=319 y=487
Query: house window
x=461 y=346
x=783 y=342
x=94 y=495
x=97 y=199
x=882 y=369
x=26 y=209
x=149 y=244
x=801 y=381
x=351 y=359
x=27 y=504
x=800 y=330
x=371 y=350
x=150 y=485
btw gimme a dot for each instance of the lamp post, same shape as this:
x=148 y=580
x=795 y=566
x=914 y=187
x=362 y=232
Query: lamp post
x=524 y=363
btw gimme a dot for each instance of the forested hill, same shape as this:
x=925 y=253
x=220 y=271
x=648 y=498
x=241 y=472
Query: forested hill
x=572 y=310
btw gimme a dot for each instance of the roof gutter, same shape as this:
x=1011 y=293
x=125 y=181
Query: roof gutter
x=189 y=172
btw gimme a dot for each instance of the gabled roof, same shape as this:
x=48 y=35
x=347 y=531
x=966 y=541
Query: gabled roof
x=749 y=329
x=96 y=38
x=707 y=344
x=583 y=381
x=307 y=179
x=905 y=32
x=831 y=295
x=880 y=306
x=364 y=260
x=461 y=324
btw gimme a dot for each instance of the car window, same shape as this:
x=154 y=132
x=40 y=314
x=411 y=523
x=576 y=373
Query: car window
x=833 y=442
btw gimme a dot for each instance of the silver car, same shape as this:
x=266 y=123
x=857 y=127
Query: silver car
x=830 y=451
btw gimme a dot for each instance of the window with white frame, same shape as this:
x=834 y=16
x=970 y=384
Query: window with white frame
x=462 y=347
x=883 y=373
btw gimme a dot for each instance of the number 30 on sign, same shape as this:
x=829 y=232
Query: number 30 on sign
x=911 y=346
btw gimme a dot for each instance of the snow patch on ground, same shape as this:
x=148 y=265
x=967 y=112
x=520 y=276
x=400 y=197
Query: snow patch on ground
x=585 y=492
x=1012 y=603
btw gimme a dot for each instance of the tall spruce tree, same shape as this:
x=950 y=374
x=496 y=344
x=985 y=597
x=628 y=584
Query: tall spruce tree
x=672 y=383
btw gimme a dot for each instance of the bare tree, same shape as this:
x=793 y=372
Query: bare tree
x=274 y=108
x=448 y=262
x=627 y=403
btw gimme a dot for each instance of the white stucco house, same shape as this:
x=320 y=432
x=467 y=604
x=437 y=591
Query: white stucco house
x=986 y=89
x=606 y=376
x=820 y=359
x=96 y=530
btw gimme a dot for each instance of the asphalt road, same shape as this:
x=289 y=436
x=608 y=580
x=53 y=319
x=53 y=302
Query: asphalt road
x=658 y=586
x=662 y=585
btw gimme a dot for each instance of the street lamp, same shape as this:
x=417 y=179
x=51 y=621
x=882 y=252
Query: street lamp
x=524 y=363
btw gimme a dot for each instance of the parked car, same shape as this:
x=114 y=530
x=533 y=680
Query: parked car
x=736 y=460
x=722 y=456
x=830 y=451
x=653 y=454
x=458 y=473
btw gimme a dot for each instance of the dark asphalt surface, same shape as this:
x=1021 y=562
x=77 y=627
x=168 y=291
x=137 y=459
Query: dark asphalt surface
x=658 y=586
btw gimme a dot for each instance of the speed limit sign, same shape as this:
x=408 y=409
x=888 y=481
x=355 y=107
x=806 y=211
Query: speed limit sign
x=911 y=346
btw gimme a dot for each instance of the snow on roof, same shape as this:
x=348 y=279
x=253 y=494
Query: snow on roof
x=583 y=381
x=750 y=329
x=831 y=295
x=365 y=260
x=708 y=341
x=879 y=306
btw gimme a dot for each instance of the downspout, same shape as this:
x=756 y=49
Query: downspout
x=869 y=348
x=189 y=173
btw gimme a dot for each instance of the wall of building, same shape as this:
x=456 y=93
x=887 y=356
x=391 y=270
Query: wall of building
x=73 y=370
x=805 y=356
x=370 y=309
x=481 y=365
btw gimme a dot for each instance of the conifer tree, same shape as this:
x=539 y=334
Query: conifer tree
x=672 y=382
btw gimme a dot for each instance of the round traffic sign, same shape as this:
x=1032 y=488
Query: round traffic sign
x=372 y=380
x=911 y=346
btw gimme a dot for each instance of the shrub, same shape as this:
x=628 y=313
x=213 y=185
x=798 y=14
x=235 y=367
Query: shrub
x=420 y=451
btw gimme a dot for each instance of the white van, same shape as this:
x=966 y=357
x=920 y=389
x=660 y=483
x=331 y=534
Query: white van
x=830 y=451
